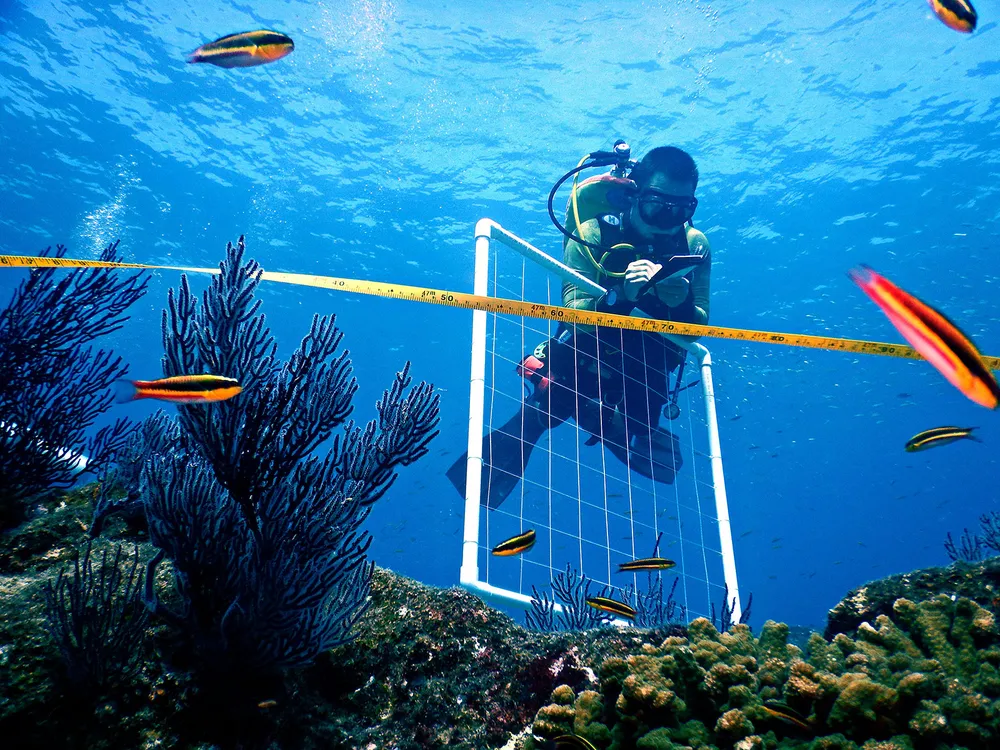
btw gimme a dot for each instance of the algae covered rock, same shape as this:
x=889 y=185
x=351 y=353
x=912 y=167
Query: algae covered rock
x=439 y=668
x=429 y=668
x=979 y=582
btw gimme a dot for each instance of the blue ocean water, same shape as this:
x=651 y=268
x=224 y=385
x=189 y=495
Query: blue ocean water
x=828 y=136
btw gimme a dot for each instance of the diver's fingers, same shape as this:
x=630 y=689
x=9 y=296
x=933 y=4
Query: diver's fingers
x=637 y=277
x=641 y=272
x=642 y=265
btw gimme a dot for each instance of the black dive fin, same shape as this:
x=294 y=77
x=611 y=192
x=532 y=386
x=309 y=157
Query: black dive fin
x=505 y=455
x=654 y=454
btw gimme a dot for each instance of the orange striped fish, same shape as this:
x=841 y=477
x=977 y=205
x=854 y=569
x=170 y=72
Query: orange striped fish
x=929 y=332
x=955 y=14
x=244 y=50
x=516 y=544
x=180 y=389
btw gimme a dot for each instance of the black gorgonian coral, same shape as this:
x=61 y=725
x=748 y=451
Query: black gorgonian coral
x=97 y=617
x=53 y=384
x=260 y=507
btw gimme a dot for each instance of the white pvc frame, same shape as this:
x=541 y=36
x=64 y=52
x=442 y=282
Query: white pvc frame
x=487 y=231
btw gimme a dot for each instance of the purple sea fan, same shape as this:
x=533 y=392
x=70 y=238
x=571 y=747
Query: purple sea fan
x=260 y=508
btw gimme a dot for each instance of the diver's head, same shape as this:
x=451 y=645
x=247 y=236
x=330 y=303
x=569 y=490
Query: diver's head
x=666 y=179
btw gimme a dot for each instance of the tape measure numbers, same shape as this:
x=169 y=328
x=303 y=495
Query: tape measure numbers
x=503 y=306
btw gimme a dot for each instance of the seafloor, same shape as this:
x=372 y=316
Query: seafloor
x=906 y=663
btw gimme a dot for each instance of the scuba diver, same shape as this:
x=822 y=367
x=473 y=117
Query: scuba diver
x=630 y=232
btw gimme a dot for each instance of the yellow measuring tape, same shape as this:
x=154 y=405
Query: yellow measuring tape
x=515 y=307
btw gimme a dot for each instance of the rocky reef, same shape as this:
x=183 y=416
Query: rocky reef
x=435 y=668
x=428 y=668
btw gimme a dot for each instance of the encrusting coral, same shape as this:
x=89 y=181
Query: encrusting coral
x=926 y=677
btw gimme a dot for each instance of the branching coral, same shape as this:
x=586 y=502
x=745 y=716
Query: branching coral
x=652 y=610
x=969 y=549
x=725 y=616
x=53 y=385
x=925 y=677
x=118 y=492
x=264 y=534
x=989 y=524
x=571 y=589
x=97 y=617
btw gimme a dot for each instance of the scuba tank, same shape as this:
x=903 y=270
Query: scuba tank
x=597 y=195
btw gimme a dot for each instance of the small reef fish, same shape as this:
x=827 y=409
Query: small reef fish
x=646 y=563
x=939 y=436
x=244 y=50
x=180 y=389
x=934 y=336
x=955 y=14
x=265 y=705
x=786 y=714
x=613 y=606
x=572 y=742
x=516 y=544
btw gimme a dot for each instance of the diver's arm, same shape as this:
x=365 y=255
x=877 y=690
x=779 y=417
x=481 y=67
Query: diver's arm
x=701 y=277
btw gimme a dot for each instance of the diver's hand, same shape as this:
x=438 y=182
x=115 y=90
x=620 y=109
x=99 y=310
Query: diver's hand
x=637 y=275
x=672 y=292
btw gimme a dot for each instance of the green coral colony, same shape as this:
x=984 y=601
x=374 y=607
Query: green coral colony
x=926 y=677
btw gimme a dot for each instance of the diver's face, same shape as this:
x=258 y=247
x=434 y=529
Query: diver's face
x=665 y=199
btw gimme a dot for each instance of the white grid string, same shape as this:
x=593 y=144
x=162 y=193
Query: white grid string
x=541 y=504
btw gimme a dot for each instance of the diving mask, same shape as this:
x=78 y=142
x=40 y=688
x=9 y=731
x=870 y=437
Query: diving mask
x=665 y=211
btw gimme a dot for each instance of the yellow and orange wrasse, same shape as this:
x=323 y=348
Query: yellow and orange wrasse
x=938 y=339
x=939 y=436
x=516 y=544
x=955 y=14
x=788 y=715
x=613 y=606
x=646 y=563
x=244 y=50
x=572 y=742
x=180 y=389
